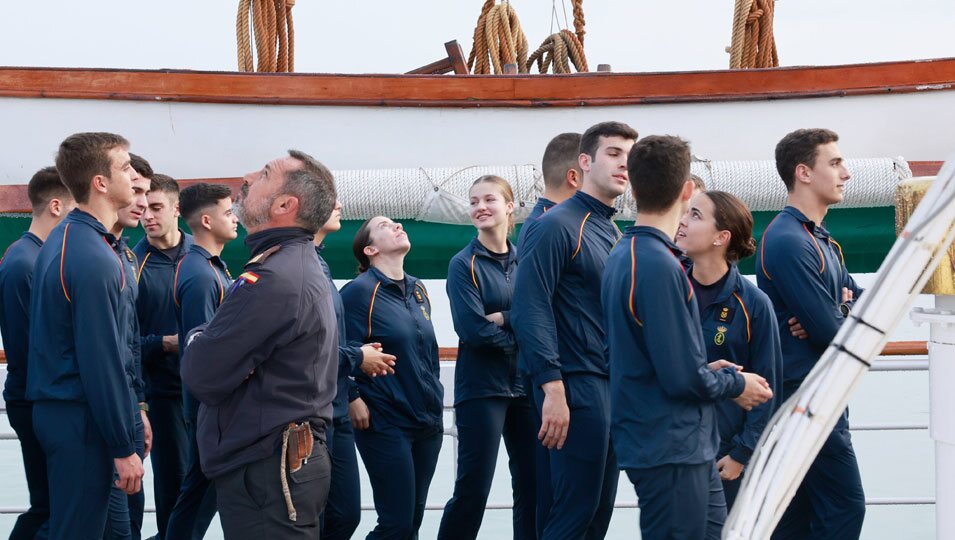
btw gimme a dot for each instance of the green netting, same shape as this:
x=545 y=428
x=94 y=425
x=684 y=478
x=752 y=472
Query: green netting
x=866 y=235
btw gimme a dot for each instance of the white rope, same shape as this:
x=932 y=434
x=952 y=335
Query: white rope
x=441 y=194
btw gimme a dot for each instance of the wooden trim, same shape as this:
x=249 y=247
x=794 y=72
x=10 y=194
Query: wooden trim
x=579 y=89
x=895 y=348
x=13 y=198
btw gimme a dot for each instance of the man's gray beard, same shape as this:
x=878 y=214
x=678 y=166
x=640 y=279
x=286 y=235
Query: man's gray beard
x=251 y=218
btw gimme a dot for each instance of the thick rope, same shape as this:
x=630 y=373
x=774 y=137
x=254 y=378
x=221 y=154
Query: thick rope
x=272 y=31
x=579 y=21
x=753 y=45
x=559 y=50
x=498 y=40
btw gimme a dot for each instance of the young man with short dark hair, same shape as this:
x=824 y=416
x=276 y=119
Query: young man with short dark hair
x=83 y=411
x=51 y=202
x=802 y=270
x=164 y=245
x=125 y=519
x=662 y=391
x=201 y=283
x=560 y=333
x=562 y=177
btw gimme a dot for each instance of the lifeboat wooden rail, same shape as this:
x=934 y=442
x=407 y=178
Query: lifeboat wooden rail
x=14 y=200
x=571 y=90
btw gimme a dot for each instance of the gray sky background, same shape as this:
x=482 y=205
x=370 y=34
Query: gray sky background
x=385 y=36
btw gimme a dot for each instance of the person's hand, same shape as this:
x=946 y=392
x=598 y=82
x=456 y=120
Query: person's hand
x=720 y=364
x=170 y=344
x=729 y=468
x=555 y=416
x=497 y=318
x=756 y=391
x=130 y=472
x=796 y=329
x=846 y=295
x=375 y=362
x=359 y=414
x=147 y=434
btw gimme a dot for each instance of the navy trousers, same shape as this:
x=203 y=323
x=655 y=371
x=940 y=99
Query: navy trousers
x=195 y=506
x=731 y=490
x=481 y=424
x=830 y=503
x=78 y=458
x=400 y=465
x=583 y=474
x=33 y=523
x=680 y=502
x=125 y=515
x=343 y=509
x=170 y=455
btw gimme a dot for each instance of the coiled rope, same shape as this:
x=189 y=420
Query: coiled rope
x=559 y=50
x=498 y=40
x=273 y=31
x=753 y=45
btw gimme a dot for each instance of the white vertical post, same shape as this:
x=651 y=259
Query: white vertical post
x=941 y=360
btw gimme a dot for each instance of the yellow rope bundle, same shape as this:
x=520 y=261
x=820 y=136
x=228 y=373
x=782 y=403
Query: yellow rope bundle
x=273 y=31
x=753 y=45
x=498 y=40
x=559 y=50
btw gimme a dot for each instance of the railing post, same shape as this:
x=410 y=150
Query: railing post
x=941 y=362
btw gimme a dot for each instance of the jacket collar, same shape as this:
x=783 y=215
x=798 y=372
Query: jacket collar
x=263 y=240
x=390 y=283
x=185 y=243
x=656 y=233
x=32 y=238
x=592 y=204
x=79 y=216
x=818 y=230
x=478 y=248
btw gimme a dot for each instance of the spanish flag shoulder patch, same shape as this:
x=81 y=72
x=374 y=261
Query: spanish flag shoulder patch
x=250 y=278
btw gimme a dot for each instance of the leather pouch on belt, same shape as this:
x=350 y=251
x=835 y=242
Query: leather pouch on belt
x=300 y=442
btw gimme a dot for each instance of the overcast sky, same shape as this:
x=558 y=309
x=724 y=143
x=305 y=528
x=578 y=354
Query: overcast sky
x=387 y=36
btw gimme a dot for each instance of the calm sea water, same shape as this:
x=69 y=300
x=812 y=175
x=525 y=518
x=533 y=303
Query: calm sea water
x=894 y=463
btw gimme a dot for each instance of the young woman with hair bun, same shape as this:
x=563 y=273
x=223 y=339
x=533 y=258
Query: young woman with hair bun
x=738 y=321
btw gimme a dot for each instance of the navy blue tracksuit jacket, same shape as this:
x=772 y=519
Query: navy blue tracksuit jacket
x=557 y=302
x=131 y=328
x=78 y=352
x=740 y=326
x=377 y=311
x=16 y=282
x=157 y=316
x=801 y=268
x=662 y=391
x=199 y=286
x=560 y=332
x=487 y=353
x=541 y=208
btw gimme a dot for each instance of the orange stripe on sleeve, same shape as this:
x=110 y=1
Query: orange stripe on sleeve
x=822 y=258
x=216 y=274
x=66 y=231
x=633 y=280
x=762 y=249
x=142 y=265
x=749 y=333
x=580 y=235
x=473 y=278
x=371 y=307
x=175 y=283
